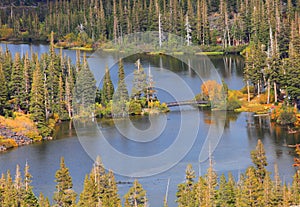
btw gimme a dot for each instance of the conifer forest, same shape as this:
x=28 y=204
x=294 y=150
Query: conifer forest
x=40 y=91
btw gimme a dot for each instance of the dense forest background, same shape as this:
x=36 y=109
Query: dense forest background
x=211 y=22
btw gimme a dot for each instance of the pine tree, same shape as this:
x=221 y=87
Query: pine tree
x=27 y=71
x=2 y=188
x=99 y=179
x=295 y=188
x=122 y=91
x=259 y=159
x=121 y=95
x=85 y=89
x=64 y=194
x=18 y=183
x=136 y=196
x=201 y=192
x=139 y=81
x=226 y=191
x=277 y=188
x=88 y=196
x=37 y=107
x=7 y=65
x=212 y=183
x=10 y=192
x=108 y=88
x=251 y=190
x=28 y=197
x=185 y=193
x=3 y=91
x=43 y=201
x=111 y=197
x=17 y=84
x=62 y=104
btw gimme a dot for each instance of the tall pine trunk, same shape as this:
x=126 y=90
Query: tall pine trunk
x=275 y=92
x=269 y=87
x=248 y=90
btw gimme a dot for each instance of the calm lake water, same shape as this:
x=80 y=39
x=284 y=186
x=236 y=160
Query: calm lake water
x=240 y=131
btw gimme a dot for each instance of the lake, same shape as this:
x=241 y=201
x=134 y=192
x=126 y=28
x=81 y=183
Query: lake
x=191 y=133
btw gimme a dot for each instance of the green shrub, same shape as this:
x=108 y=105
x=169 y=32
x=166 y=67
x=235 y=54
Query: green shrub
x=287 y=116
x=135 y=107
x=233 y=104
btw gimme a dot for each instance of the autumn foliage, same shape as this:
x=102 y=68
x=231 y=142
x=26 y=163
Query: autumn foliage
x=21 y=124
x=212 y=90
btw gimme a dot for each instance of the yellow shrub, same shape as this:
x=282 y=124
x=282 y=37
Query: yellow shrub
x=8 y=143
x=21 y=124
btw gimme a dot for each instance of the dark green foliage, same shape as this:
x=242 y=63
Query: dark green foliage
x=37 y=101
x=139 y=82
x=121 y=92
x=85 y=89
x=108 y=88
x=3 y=91
x=17 y=84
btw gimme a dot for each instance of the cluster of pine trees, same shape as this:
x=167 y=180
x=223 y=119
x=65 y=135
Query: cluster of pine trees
x=272 y=63
x=226 y=22
x=41 y=86
x=51 y=88
x=118 y=102
x=253 y=188
x=99 y=189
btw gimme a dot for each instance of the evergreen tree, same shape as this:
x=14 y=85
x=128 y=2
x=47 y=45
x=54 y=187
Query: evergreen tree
x=88 y=196
x=212 y=183
x=185 y=193
x=251 y=191
x=108 y=88
x=122 y=92
x=27 y=71
x=2 y=188
x=295 y=189
x=136 y=196
x=3 y=91
x=85 y=89
x=259 y=159
x=7 y=65
x=43 y=201
x=29 y=198
x=201 y=192
x=17 y=84
x=226 y=191
x=139 y=81
x=64 y=194
x=62 y=103
x=37 y=107
x=10 y=192
x=99 y=179
x=111 y=197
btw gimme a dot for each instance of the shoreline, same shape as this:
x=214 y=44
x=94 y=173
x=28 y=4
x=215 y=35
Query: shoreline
x=210 y=50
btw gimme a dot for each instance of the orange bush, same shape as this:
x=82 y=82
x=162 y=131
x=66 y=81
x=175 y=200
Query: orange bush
x=212 y=90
